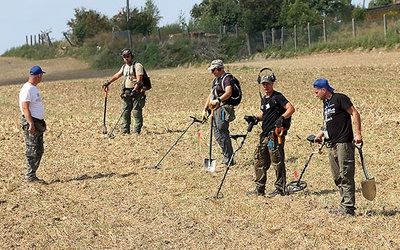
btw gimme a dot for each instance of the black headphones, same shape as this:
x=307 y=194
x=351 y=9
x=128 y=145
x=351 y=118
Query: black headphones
x=271 y=77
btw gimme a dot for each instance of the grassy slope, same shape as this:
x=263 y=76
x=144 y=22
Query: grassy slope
x=100 y=197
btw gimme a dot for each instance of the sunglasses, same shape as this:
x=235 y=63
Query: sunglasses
x=126 y=56
x=213 y=70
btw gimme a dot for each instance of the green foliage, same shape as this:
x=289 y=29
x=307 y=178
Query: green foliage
x=299 y=13
x=140 y=22
x=259 y=14
x=87 y=24
x=359 y=14
x=211 y=14
x=377 y=3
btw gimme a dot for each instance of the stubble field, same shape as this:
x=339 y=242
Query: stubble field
x=99 y=196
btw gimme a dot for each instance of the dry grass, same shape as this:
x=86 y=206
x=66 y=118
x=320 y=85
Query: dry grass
x=100 y=197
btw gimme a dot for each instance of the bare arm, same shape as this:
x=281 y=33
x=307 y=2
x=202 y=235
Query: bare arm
x=28 y=116
x=357 y=123
x=289 y=110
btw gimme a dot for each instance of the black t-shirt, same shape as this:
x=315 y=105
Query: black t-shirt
x=219 y=87
x=272 y=108
x=337 y=120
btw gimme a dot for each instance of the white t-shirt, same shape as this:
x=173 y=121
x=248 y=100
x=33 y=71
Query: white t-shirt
x=128 y=72
x=29 y=93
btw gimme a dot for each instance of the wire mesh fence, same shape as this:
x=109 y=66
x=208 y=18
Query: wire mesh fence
x=343 y=34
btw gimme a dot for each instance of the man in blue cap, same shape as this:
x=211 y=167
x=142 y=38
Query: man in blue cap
x=32 y=122
x=338 y=133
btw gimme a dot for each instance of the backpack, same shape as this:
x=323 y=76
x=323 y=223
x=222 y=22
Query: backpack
x=236 y=96
x=145 y=80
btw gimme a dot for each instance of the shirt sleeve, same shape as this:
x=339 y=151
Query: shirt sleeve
x=139 y=69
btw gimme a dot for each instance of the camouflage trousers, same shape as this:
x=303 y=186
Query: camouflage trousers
x=342 y=162
x=34 y=147
x=269 y=152
x=133 y=105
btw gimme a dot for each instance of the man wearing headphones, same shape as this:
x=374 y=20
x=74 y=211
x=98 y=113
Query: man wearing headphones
x=133 y=91
x=224 y=113
x=276 y=117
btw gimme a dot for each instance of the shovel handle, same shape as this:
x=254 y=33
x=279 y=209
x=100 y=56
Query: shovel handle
x=362 y=159
x=279 y=133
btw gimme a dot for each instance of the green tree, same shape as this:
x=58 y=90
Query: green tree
x=87 y=24
x=141 y=22
x=376 y=3
x=209 y=15
x=359 y=14
x=298 y=13
x=260 y=14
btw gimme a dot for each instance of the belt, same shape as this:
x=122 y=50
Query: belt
x=35 y=119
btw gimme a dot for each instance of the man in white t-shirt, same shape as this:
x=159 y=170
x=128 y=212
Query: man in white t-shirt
x=32 y=122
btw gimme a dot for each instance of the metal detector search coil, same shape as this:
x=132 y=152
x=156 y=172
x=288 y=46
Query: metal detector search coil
x=299 y=185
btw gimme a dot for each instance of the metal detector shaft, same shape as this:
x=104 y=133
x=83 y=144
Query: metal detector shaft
x=299 y=185
x=111 y=135
x=105 y=110
x=173 y=145
x=218 y=195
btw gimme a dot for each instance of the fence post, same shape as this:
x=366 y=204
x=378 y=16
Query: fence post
x=264 y=39
x=324 y=29
x=129 y=39
x=27 y=40
x=309 y=34
x=295 y=36
x=48 y=38
x=384 y=25
x=353 y=23
x=236 y=31
x=282 y=39
x=273 y=36
x=159 y=35
x=248 y=43
x=188 y=32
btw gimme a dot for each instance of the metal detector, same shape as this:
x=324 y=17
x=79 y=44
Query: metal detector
x=111 y=135
x=299 y=185
x=193 y=121
x=105 y=110
x=251 y=121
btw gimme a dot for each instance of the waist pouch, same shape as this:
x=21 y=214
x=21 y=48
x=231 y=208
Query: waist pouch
x=228 y=113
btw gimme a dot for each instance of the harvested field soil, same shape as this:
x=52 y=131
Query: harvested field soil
x=99 y=196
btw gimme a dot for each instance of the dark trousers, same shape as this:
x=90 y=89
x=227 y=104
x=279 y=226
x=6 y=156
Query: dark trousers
x=265 y=155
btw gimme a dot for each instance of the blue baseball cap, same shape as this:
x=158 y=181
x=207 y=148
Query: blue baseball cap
x=36 y=70
x=323 y=83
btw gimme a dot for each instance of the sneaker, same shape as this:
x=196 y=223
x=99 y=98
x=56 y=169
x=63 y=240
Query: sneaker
x=123 y=133
x=275 y=193
x=341 y=212
x=35 y=179
x=256 y=191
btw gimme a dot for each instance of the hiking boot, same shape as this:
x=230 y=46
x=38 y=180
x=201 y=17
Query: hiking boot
x=35 y=179
x=341 y=212
x=256 y=191
x=275 y=193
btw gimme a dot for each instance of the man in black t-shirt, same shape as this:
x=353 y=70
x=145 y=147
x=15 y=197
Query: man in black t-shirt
x=338 y=131
x=276 y=115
